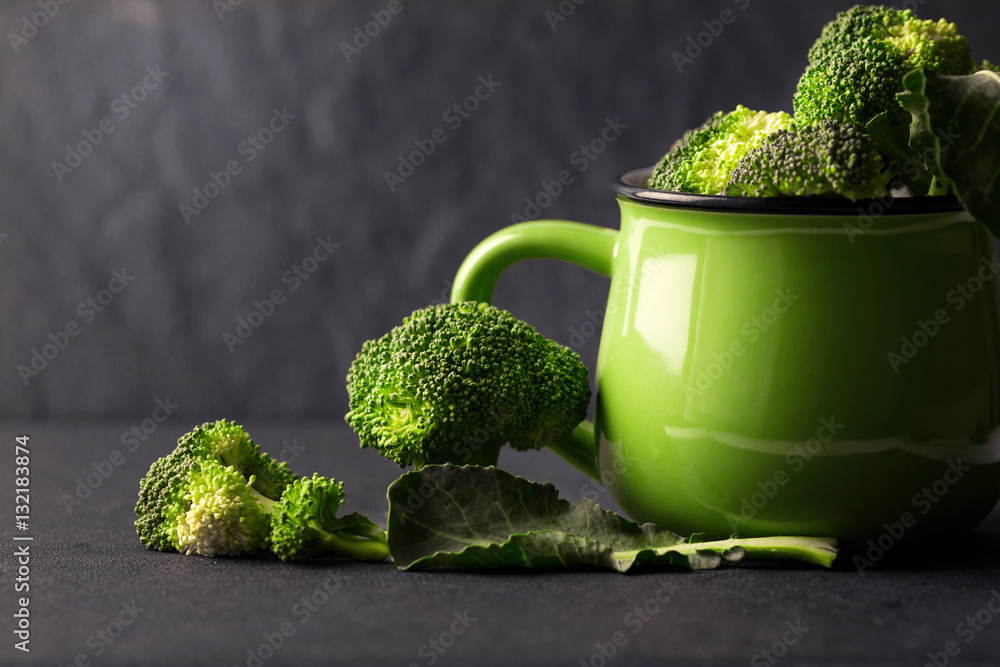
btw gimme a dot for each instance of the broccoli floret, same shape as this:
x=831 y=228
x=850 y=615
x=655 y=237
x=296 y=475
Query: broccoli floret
x=219 y=513
x=229 y=444
x=199 y=506
x=828 y=159
x=454 y=382
x=305 y=524
x=203 y=498
x=702 y=159
x=856 y=66
x=161 y=488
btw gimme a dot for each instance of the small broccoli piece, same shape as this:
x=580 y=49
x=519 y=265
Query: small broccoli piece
x=454 y=382
x=702 y=159
x=856 y=66
x=198 y=479
x=204 y=498
x=305 y=525
x=826 y=159
x=199 y=506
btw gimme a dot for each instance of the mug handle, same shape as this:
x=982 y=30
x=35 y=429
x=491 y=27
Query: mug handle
x=588 y=246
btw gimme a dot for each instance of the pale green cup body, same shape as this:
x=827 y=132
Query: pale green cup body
x=785 y=366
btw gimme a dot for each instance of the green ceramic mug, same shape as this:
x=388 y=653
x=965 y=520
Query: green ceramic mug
x=784 y=366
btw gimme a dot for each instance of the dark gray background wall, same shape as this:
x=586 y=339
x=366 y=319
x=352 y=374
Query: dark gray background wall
x=201 y=77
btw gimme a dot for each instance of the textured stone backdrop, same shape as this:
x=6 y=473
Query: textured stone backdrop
x=200 y=78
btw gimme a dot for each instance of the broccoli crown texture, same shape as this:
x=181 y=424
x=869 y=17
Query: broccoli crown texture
x=856 y=66
x=305 y=524
x=199 y=506
x=702 y=159
x=161 y=493
x=220 y=514
x=828 y=158
x=229 y=444
x=455 y=381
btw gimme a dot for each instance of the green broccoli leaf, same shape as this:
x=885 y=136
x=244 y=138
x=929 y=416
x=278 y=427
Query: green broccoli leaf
x=355 y=524
x=474 y=517
x=956 y=129
x=904 y=162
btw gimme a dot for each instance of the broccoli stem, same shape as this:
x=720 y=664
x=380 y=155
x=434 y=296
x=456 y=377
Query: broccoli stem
x=349 y=546
x=816 y=550
x=486 y=454
x=471 y=453
x=579 y=449
x=322 y=542
x=261 y=498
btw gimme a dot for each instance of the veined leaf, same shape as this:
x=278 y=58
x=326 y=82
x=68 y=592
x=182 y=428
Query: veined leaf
x=353 y=524
x=904 y=162
x=473 y=517
x=956 y=128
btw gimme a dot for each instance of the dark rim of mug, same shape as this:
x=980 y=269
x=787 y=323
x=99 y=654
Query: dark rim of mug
x=632 y=185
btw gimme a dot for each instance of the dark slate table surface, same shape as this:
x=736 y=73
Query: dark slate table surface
x=98 y=597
